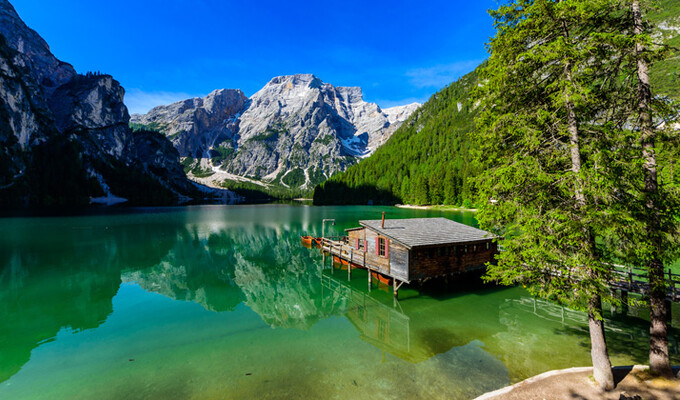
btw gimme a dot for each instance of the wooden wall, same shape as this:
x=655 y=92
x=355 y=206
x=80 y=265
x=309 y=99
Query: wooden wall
x=382 y=263
x=434 y=261
x=422 y=263
x=399 y=257
x=397 y=263
x=354 y=235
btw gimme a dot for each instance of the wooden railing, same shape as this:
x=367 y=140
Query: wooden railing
x=630 y=280
x=342 y=249
x=636 y=280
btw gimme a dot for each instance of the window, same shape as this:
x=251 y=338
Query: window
x=360 y=244
x=381 y=247
x=440 y=251
x=488 y=245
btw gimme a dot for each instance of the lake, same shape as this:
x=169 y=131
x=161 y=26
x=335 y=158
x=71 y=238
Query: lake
x=213 y=302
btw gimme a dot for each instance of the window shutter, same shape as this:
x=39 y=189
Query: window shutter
x=387 y=248
x=377 y=246
x=356 y=244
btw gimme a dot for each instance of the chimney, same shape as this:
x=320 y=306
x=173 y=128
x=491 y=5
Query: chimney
x=382 y=224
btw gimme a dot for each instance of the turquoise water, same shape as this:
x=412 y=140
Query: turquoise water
x=224 y=302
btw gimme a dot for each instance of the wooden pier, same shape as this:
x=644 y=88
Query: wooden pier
x=411 y=250
x=419 y=249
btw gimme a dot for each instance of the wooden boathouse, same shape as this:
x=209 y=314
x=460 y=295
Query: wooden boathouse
x=401 y=251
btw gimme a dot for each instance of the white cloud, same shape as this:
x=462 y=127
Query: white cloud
x=140 y=102
x=440 y=75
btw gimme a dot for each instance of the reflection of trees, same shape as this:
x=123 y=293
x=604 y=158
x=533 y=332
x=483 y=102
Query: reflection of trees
x=543 y=333
x=52 y=279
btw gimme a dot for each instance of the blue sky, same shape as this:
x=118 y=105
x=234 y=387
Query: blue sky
x=166 y=50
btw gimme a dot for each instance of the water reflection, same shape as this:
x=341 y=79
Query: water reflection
x=63 y=273
x=64 y=277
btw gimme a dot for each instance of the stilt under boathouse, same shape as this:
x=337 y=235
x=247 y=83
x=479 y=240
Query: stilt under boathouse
x=399 y=251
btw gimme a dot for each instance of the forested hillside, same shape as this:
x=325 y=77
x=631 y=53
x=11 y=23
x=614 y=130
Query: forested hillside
x=666 y=74
x=426 y=161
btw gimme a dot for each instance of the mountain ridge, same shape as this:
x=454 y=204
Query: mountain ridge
x=65 y=137
x=293 y=133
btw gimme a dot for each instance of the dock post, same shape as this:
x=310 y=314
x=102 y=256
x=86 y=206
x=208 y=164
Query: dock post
x=669 y=309
x=396 y=288
x=369 y=279
x=349 y=266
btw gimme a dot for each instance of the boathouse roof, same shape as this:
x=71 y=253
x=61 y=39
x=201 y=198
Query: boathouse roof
x=417 y=232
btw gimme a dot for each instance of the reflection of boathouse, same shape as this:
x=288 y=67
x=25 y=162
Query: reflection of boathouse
x=415 y=249
x=385 y=327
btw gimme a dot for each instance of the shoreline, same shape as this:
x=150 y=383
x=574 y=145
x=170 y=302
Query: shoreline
x=435 y=207
x=577 y=382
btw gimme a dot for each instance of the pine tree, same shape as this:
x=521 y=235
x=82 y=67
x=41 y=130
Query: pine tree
x=547 y=155
x=657 y=237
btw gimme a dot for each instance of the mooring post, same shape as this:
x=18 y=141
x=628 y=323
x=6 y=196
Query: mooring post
x=396 y=288
x=369 y=279
x=349 y=266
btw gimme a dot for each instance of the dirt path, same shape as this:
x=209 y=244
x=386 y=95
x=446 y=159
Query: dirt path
x=577 y=383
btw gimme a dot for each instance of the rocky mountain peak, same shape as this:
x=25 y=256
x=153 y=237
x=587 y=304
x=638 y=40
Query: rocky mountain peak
x=195 y=125
x=352 y=94
x=46 y=68
x=65 y=137
x=295 y=132
x=297 y=80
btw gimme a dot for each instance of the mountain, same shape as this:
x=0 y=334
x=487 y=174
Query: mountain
x=427 y=160
x=65 y=137
x=293 y=133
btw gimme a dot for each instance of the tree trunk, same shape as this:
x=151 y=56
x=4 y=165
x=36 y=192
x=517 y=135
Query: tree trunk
x=572 y=127
x=659 y=362
x=602 y=367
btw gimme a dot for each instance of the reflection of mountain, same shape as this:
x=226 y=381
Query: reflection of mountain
x=195 y=269
x=50 y=280
x=287 y=291
x=262 y=266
